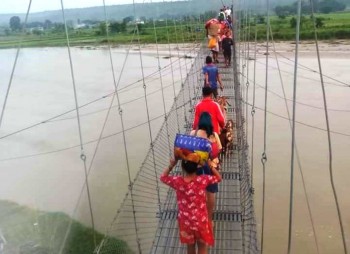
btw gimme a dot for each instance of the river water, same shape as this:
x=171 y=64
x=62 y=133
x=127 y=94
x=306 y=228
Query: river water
x=40 y=169
x=312 y=145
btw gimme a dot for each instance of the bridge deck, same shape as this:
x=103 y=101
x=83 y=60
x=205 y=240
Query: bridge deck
x=227 y=214
x=146 y=220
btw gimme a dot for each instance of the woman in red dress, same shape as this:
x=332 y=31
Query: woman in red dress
x=205 y=130
x=194 y=226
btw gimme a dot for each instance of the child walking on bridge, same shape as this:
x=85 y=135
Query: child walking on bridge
x=194 y=226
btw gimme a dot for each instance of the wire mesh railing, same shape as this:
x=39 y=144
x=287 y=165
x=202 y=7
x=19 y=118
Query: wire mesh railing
x=234 y=216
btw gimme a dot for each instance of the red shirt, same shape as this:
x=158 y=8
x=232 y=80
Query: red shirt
x=213 y=108
x=191 y=201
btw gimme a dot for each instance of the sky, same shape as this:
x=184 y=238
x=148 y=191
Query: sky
x=21 y=6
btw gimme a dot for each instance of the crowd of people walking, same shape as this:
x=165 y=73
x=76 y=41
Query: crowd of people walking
x=199 y=151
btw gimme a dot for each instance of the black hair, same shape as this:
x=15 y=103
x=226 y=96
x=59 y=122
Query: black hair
x=205 y=123
x=208 y=60
x=189 y=166
x=207 y=91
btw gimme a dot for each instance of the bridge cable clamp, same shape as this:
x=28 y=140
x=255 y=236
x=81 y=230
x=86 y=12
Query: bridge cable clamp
x=263 y=158
x=253 y=111
x=83 y=156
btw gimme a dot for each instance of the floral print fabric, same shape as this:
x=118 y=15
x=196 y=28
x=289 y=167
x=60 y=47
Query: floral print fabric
x=193 y=214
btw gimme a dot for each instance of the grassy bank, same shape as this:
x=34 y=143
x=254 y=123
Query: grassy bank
x=171 y=33
x=333 y=26
x=27 y=231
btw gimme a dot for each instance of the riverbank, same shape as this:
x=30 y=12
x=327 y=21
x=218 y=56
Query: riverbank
x=333 y=26
x=25 y=230
x=329 y=48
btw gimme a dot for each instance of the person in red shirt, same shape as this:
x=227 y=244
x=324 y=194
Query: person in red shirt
x=208 y=105
x=194 y=225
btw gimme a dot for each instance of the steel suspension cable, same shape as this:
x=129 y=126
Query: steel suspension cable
x=14 y=64
x=305 y=77
x=162 y=88
x=169 y=193
x=239 y=117
x=105 y=121
x=154 y=119
x=253 y=114
x=296 y=148
x=244 y=131
x=247 y=80
x=88 y=142
x=264 y=156
x=195 y=78
x=253 y=106
x=120 y=110
x=82 y=153
x=185 y=57
x=314 y=71
x=148 y=116
x=172 y=72
x=181 y=77
x=242 y=48
x=303 y=104
x=62 y=114
x=330 y=153
x=291 y=195
x=168 y=205
x=302 y=123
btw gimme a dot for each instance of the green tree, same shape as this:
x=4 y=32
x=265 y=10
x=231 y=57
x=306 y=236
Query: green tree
x=140 y=27
x=15 y=23
x=58 y=27
x=319 y=22
x=37 y=32
x=47 y=24
x=102 y=28
x=7 y=32
x=128 y=19
x=283 y=11
x=327 y=6
x=293 y=22
x=117 y=27
x=260 y=19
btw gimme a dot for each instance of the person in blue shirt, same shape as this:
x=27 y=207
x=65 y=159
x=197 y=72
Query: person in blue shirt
x=212 y=76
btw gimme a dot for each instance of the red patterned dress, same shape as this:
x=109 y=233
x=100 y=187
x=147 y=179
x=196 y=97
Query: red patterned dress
x=191 y=201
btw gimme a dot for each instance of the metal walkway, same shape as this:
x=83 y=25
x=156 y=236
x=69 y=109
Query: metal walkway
x=147 y=219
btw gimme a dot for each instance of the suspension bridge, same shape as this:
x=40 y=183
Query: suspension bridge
x=147 y=217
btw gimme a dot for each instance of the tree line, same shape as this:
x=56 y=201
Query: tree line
x=323 y=6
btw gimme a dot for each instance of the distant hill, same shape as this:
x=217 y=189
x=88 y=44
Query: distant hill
x=118 y=12
x=148 y=10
